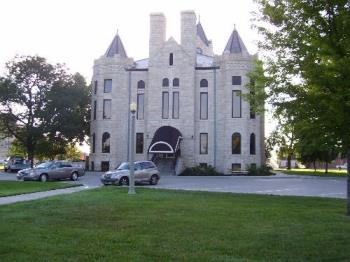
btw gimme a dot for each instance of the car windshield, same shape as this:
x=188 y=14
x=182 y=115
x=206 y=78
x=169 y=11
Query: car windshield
x=123 y=166
x=45 y=165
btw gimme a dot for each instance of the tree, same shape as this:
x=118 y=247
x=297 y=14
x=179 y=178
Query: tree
x=42 y=102
x=307 y=47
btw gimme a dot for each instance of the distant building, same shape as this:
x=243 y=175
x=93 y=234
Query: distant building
x=4 y=147
x=189 y=105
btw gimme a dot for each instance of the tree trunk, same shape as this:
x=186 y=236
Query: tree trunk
x=348 y=183
x=314 y=165
x=31 y=156
x=326 y=170
x=289 y=160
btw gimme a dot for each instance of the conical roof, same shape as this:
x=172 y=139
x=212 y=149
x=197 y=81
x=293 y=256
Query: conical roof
x=235 y=44
x=201 y=34
x=116 y=48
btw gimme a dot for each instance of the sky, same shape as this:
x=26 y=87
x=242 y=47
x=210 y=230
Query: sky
x=76 y=32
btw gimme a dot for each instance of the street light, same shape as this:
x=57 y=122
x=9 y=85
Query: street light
x=133 y=108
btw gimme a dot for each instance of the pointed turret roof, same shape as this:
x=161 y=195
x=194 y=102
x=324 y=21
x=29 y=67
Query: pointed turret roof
x=116 y=48
x=235 y=44
x=201 y=34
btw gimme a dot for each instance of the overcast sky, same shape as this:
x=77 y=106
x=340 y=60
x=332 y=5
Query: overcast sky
x=76 y=32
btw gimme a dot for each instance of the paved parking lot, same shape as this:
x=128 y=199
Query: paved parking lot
x=275 y=185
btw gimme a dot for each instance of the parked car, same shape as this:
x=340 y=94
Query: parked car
x=15 y=164
x=51 y=170
x=344 y=166
x=145 y=171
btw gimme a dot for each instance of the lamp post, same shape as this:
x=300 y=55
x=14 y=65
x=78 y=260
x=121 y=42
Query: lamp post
x=133 y=108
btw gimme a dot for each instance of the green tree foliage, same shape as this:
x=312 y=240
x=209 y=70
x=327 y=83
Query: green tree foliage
x=43 y=102
x=307 y=47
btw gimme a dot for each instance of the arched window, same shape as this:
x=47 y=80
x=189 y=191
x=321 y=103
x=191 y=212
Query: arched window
x=236 y=143
x=106 y=142
x=252 y=144
x=176 y=82
x=141 y=84
x=93 y=143
x=203 y=83
x=165 y=82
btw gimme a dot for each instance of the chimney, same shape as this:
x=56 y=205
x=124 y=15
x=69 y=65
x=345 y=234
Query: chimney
x=189 y=33
x=157 y=33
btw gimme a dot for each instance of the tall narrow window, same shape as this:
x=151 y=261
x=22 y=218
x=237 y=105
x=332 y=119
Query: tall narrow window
x=203 y=105
x=176 y=105
x=236 y=80
x=252 y=112
x=140 y=106
x=236 y=104
x=236 y=167
x=104 y=166
x=107 y=87
x=141 y=84
x=236 y=143
x=165 y=105
x=107 y=108
x=139 y=143
x=95 y=109
x=95 y=87
x=92 y=166
x=106 y=142
x=203 y=143
x=203 y=83
x=176 y=82
x=252 y=144
x=93 y=143
x=165 y=82
x=171 y=59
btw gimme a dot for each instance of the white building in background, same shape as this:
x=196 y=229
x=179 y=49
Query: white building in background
x=190 y=109
x=4 y=147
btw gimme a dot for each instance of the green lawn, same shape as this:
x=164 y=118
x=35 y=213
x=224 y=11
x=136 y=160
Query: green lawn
x=311 y=172
x=9 y=188
x=106 y=224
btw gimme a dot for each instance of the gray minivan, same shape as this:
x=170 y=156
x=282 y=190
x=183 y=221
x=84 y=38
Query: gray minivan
x=145 y=171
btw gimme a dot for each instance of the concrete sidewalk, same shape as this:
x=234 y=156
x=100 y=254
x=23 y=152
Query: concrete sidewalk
x=39 y=195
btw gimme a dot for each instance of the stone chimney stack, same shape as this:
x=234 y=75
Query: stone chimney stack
x=157 y=33
x=189 y=33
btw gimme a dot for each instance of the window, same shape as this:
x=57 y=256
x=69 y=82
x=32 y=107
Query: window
x=236 y=80
x=236 y=167
x=252 y=144
x=203 y=164
x=203 y=83
x=171 y=59
x=104 y=166
x=92 y=166
x=95 y=87
x=236 y=143
x=95 y=109
x=203 y=105
x=139 y=143
x=176 y=82
x=236 y=104
x=107 y=108
x=93 y=143
x=107 y=86
x=106 y=143
x=252 y=113
x=203 y=143
x=176 y=104
x=165 y=105
x=141 y=84
x=140 y=106
x=165 y=82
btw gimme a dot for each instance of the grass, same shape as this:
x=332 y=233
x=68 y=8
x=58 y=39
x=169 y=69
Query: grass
x=311 y=172
x=10 y=188
x=107 y=224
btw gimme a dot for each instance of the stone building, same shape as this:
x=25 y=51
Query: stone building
x=190 y=109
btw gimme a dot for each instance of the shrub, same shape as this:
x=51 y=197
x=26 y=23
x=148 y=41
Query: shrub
x=200 y=171
x=264 y=170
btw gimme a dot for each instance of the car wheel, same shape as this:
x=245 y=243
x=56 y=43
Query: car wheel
x=153 y=180
x=74 y=176
x=43 y=178
x=124 y=181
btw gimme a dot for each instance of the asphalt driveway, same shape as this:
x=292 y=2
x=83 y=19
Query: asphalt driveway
x=273 y=185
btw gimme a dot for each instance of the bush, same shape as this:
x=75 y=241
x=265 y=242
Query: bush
x=264 y=170
x=200 y=171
